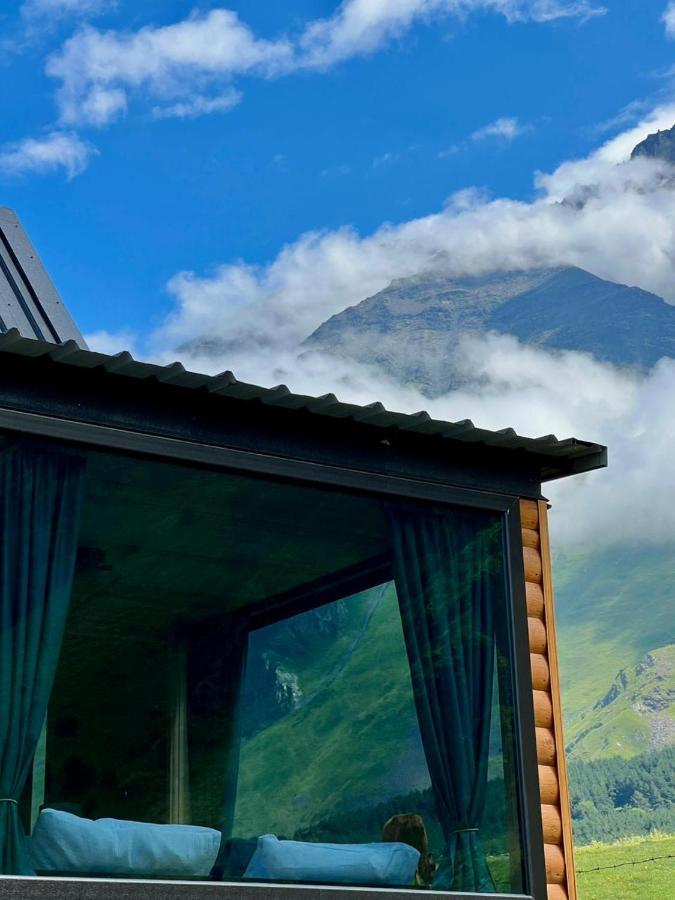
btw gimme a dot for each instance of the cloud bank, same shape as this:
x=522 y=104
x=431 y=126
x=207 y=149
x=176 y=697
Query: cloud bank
x=606 y=213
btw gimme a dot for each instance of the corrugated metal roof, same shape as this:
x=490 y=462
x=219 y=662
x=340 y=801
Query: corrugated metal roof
x=556 y=458
x=29 y=301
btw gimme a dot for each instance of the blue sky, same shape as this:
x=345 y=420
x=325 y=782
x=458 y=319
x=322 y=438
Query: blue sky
x=212 y=183
x=363 y=131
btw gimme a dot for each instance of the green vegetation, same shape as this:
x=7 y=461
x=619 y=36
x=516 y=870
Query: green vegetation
x=338 y=761
x=613 y=606
x=634 y=879
x=340 y=742
x=616 y=798
x=346 y=755
x=637 y=711
x=364 y=824
x=612 y=799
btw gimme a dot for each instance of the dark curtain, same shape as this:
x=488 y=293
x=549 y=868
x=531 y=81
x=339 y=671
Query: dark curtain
x=217 y=666
x=40 y=499
x=237 y=651
x=446 y=568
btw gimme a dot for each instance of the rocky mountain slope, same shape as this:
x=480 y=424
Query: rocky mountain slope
x=637 y=713
x=412 y=327
x=599 y=593
x=660 y=145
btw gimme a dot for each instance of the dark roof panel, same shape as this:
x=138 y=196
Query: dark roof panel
x=554 y=458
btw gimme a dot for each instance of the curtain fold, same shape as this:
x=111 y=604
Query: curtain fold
x=237 y=652
x=40 y=500
x=446 y=570
x=216 y=669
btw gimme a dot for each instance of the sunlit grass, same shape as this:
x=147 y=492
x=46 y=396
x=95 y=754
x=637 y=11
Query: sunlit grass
x=653 y=880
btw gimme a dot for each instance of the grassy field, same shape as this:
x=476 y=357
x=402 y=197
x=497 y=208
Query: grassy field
x=644 y=881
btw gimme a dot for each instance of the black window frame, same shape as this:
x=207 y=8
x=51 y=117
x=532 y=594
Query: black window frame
x=341 y=477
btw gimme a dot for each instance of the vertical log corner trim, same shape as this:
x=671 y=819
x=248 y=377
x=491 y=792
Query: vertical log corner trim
x=553 y=784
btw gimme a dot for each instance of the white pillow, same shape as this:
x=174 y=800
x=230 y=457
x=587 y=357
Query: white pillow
x=62 y=842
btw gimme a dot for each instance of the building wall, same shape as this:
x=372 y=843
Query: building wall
x=553 y=783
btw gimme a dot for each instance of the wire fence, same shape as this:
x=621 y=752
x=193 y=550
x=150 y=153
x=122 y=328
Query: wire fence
x=632 y=862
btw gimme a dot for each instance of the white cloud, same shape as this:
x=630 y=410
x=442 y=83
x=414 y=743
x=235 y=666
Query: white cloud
x=339 y=171
x=103 y=105
x=617 y=221
x=384 y=159
x=279 y=162
x=111 y=342
x=536 y=392
x=669 y=19
x=171 y=61
x=198 y=106
x=58 y=8
x=620 y=225
x=630 y=114
x=572 y=394
x=51 y=10
x=505 y=128
x=449 y=151
x=363 y=26
x=185 y=62
x=582 y=178
x=633 y=501
x=59 y=150
x=42 y=17
x=619 y=148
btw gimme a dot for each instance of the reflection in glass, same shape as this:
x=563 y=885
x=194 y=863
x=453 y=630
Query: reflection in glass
x=248 y=663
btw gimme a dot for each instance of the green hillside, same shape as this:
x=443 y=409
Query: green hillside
x=352 y=739
x=332 y=739
x=614 y=607
x=348 y=755
x=637 y=711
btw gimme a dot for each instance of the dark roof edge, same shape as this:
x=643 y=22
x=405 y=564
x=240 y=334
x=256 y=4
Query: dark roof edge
x=555 y=458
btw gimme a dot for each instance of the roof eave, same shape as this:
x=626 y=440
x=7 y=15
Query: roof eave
x=551 y=457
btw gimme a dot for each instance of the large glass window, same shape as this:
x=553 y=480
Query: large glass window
x=258 y=680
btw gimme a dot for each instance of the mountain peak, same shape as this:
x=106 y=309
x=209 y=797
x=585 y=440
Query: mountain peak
x=411 y=327
x=660 y=145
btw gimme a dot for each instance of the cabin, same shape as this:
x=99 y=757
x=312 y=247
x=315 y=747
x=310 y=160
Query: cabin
x=262 y=645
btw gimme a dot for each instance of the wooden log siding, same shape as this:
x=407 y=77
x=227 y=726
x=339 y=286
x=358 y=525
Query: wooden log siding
x=553 y=785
